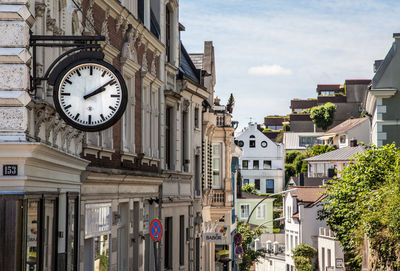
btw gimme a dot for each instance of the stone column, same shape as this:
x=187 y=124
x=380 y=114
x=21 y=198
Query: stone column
x=15 y=22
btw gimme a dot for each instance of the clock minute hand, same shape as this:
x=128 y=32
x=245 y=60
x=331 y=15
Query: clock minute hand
x=97 y=91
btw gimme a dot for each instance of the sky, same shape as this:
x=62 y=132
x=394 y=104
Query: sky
x=268 y=52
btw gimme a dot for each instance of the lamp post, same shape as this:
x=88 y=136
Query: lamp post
x=269 y=196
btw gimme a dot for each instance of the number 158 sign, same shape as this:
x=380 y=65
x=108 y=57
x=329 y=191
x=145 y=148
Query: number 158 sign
x=10 y=170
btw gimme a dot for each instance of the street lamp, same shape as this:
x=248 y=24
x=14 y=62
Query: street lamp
x=269 y=196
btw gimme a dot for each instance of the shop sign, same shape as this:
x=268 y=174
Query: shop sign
x=97 y=219
x=214 y=237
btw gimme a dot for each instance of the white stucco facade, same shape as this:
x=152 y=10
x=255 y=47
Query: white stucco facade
x=262 y=160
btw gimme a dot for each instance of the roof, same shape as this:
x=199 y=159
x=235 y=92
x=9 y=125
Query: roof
x=383 y=66
x=197 y=60
x=187 y=67
x=307 y=193
x=246 y=195
x=295 y=103
x=357 y=81
x=345 y=126
x=329 y=87
x=342 y=154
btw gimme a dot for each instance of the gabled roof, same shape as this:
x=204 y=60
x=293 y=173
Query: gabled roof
x=342 y=154
x=345 y=126
x=383 y=66
x=187 y=68
x=307 y=194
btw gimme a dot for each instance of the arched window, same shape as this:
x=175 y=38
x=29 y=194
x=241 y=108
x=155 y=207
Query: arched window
x=252 y=143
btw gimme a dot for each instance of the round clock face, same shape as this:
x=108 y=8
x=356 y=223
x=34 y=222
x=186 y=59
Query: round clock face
x=264 y=144
x=90 y=96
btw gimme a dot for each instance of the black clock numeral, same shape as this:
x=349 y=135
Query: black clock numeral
x=104 y=73
x=112 y=108
x=114 y=96
x=69 y=82
x=102 y=117
x=91 y=70
x=90 y=119
x=77 y=116
x=68 y=106
x=65 y=94
x=78 y=73
x=112 y=82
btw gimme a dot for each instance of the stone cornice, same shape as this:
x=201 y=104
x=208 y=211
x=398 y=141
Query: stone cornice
x=373 y=94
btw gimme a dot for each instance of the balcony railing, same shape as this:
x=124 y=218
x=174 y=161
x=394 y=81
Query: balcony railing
x=218 y=198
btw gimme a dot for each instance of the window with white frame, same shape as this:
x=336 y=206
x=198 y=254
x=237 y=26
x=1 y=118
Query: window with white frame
x=216 y=164
x=196 y=118
x=256 y=164
x=245 y=164
x=154 y=121
x=128 y=120
x=260 y=212
x=146 y=119
x=244 y=211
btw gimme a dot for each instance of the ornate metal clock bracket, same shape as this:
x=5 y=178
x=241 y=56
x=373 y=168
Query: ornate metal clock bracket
x=83 y=47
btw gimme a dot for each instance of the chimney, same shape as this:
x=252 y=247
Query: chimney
x=353 y=143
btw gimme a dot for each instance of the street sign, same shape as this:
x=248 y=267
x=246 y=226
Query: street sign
x=156 y=230
x=237 y=239
x=239 y=251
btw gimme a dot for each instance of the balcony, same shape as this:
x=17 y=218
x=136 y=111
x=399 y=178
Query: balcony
x=218 y=198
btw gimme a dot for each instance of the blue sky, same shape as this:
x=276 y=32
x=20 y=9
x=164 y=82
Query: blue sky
x=270 y=51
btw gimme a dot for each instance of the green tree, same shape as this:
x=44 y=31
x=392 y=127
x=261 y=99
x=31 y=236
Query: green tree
x=249 y=188
x=365 y=203
x=231 y=103
x=323 y=115
x=302 y=257
x=249 y=235
x=291 y=155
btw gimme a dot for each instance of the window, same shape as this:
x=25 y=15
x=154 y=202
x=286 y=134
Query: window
x=245 y=164
x=168 y=18
x=291 y=242
x=141 y=11
x=260 y=212
x=216 y=166
x=252 y=143
x=197 y=184
x=308 y=141
x=168 y=138
x=196 y=118
x=197 y=263
x=246 y=181
x=342 y=139
x=257 y=184
x=32 y=231
x=269 y=186
x=184 y=140
x=296 y=241
x=267 y=164
x=323 y=258
x=240 y=143
x=289 y=213
x=182 y=240
x=256 y=164
x=168 y=245
x=244 y=211
x=328 y=255
x=72 y=236
x=264 y=144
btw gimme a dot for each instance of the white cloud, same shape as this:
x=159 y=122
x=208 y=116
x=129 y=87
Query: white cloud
x=270 y=70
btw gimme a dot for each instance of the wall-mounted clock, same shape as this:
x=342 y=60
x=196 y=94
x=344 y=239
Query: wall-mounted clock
x=90 y=95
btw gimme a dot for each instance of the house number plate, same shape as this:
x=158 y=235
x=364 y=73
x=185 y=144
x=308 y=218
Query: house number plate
x=10 y=170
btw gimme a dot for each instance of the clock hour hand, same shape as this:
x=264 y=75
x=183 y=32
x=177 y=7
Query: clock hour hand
x=97 y=91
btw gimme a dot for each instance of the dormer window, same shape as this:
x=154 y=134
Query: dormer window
x=252 y=142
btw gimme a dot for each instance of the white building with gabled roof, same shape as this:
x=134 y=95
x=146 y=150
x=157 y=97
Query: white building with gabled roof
x=261 y=161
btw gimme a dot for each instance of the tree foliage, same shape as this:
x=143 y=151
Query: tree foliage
x=302 y=257
x=365 y=203
x=291 y=155
x=249 y=235
x=323 y=115
x=249 y=188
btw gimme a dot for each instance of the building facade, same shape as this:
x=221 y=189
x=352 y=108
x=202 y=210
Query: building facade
x=261 y=161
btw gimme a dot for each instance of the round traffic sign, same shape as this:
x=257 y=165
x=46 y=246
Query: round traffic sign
x=156 y=230
x=237 y=239
x=239 y=251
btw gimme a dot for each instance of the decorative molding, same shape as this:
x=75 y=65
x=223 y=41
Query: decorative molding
x=89 y=15
x=128 y=48
x=104 y=26
x=40 y=8
x=144 y=58
x=50 y=22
